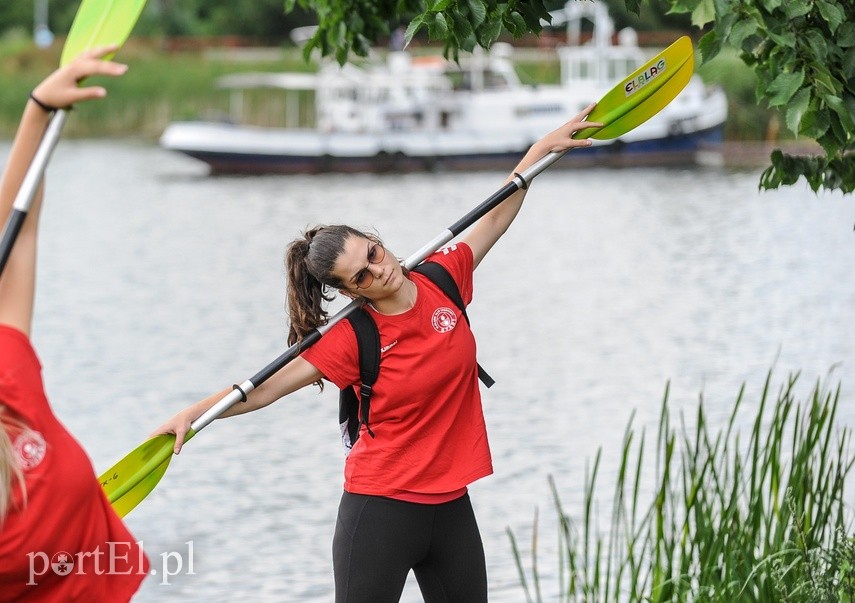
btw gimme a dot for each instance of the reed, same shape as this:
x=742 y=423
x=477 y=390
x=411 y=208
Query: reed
x=723 y=517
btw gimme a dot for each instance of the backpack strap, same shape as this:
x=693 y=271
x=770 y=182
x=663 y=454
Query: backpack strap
x=368 y=342
x=443 y=279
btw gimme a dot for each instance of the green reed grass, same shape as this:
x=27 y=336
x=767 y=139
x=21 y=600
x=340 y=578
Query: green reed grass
x=729 y=517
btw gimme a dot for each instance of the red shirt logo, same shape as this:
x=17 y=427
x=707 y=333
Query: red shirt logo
x=30 y=449
x=444 y=320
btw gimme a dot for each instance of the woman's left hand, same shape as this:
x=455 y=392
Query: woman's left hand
x=60 y=89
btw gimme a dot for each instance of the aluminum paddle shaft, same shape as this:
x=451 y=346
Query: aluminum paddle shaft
x=30 y=184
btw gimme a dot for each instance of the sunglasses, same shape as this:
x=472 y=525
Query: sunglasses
x=364 y=277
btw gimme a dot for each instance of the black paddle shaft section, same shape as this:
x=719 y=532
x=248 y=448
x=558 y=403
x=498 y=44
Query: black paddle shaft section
x=285 y=357
x=484 y=208
x=10 y=233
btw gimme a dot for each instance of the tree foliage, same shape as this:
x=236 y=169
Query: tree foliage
x=802 y=53
x=347 y=26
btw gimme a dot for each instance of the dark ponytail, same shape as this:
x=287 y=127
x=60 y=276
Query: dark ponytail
x=309 y=263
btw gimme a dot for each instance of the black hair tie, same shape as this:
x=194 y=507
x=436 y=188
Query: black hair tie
x=45 y=107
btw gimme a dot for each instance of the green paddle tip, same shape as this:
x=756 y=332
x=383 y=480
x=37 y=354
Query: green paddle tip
x=100 y=23
x=643 y=93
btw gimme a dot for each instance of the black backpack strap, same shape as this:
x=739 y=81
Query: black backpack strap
x=443 y=279
x=368 y=341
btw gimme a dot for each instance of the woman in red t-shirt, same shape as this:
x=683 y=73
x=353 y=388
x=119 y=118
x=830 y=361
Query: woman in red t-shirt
x=405 y=503
x=59 y=538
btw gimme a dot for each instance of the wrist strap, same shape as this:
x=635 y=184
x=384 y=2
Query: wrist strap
x=45 y=107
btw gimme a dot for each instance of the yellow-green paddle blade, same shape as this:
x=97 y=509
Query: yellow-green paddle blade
x=643 y=93
x=131 y=479
x=100 y=23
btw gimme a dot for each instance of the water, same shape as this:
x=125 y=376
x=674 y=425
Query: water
x=159 y=286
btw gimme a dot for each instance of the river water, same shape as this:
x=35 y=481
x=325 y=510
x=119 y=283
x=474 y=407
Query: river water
x=159 y=285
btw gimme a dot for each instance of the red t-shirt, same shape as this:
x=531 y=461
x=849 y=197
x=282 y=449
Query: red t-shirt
x=425 y=406
x=66 y=544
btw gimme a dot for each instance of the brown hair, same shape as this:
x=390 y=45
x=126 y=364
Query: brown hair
x=10 y=472
x=309 y=263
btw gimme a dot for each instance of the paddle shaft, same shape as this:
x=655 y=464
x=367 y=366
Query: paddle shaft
x=240 y=391
x=29 y=185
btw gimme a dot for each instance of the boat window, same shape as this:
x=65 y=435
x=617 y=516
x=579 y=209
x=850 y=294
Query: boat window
x=493 y=79
x=615 y=70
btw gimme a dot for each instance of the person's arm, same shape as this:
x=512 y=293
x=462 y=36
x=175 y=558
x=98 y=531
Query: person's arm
x=293 y=376
x=59 y=89
x=491 y=227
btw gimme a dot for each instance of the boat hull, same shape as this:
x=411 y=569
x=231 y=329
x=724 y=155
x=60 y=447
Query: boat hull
x=674 y=149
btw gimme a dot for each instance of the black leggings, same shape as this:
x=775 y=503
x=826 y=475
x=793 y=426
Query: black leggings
x=378 y=540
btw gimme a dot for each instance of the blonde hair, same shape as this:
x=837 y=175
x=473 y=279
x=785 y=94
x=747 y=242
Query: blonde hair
x=10 y=471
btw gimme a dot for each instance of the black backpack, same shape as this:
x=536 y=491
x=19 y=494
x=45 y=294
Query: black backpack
x=368 y=340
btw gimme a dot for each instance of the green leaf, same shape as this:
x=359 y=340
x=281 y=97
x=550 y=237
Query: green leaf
x=849 y=102
x=840 y=108
x=783 y=87
x=846 y=35
x=832 y=14
x=438 y=30
x=835 y=139
x=633 y=6
x=817 y=44
x=815 y=123
x=478 y=9
x=822 y=78
x=796 y=110
x=704 y=13
x=741 y=30
x=849 y=64
x=800 y=8
x=439 y=5
x=784 y=37
x=769 y=179
x=489 y=31
x=533 y=11
x=517 y=24
x=412 y=29
x=709 y=46
x=341 y=54
x=462 y=27
x=533 y=14
x=682 y=6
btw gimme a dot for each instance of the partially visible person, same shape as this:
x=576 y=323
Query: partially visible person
x=59 y=538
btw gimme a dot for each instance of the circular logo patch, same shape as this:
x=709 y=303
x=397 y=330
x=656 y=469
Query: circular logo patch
x=30 y=449
x=62 y=563
x=444 y=320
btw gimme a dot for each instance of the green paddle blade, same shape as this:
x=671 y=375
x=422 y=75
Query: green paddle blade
x=100 y=23
x=643 y=93
x=131 y=479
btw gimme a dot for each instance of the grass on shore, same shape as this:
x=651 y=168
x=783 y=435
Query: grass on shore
x=732 y=518
x=158 y=88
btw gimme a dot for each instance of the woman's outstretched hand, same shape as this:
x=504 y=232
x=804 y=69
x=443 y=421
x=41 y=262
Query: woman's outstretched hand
x=61 y=88
x=561 y=139
x=179 y=425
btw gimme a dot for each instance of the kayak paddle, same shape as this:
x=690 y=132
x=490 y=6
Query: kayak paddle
x=97 y=23
x=634 y=100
